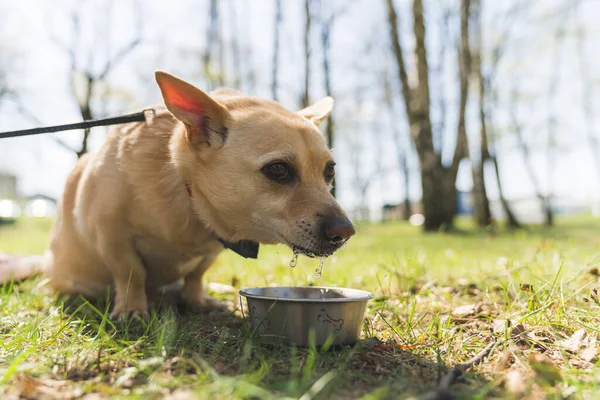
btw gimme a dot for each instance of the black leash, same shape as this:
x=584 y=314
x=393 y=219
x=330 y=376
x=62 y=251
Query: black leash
x=137 y=117
x=245 y=248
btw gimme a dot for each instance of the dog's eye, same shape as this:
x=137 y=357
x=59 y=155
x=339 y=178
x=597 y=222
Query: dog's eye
x=329 y=172
x=278 y=171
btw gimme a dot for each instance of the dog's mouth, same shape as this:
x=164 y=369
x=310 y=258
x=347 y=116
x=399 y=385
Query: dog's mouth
x=320 y=252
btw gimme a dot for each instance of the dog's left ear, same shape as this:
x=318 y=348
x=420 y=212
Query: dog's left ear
x=318 y=111
x=204 y=118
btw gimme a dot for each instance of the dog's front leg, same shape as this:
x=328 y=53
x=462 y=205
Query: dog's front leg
x=129 y=277
x=193 y=289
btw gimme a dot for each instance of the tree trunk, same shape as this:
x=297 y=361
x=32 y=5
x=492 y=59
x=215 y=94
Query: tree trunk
x=326 y=26
x=461 y=150
x=276 y=34
x=305 y=96
x=402 y=152
x=552 y=122
x=483 y=215
x=211 y=37
x=511 y=220
x=407 y=212
x=235 y=46
x=481 y=205
x=417 y=102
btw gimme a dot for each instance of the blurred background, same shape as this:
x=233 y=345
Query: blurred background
x=443 y=107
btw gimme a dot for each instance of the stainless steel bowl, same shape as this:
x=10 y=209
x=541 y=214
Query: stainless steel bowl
x=289 y=313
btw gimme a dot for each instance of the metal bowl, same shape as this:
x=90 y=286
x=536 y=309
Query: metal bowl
x=288 y=314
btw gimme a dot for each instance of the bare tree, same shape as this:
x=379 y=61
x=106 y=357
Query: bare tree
x=212 y=41
x=236 y=70
x=438 y=181
x=483 y=215
x=490 y=96
x=461 y=150
x=526 y=153
x=247 y=67
x=276 y=37
x=445 y=41
x=86 y=79
x=327 y=19
x=305 y=99
x=402 y=151
x=551 y=122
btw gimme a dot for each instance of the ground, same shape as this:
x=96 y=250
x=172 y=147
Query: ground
x=439 y=300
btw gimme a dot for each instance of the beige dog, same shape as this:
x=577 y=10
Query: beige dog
x=149 y=208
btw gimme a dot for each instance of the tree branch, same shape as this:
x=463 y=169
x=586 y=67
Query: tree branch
x=25 y=112
x=397 y=47
x=441 y=392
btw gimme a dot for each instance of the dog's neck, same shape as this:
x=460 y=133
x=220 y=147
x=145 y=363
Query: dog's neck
x=245 y=248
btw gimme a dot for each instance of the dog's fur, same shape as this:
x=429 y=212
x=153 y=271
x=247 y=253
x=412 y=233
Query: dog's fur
x=147 y=208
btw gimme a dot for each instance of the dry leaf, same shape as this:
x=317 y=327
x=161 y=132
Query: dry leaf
x=500 y=325
x=590 y=351
x=573 y=344
x=522 y=337
x=466 y=310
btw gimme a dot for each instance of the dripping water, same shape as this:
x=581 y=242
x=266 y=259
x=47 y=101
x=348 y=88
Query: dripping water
x=294 y=259
x=319 y=270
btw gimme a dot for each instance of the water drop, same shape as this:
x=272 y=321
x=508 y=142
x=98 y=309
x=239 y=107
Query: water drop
x=295 y=259
x=319 y=270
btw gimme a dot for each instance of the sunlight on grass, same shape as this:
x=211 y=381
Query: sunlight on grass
x=439 y=299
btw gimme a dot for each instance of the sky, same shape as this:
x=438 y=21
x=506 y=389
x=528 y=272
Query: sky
x=33 y=34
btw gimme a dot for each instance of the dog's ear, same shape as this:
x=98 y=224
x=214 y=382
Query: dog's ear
x=204 y=118
x=318 y=111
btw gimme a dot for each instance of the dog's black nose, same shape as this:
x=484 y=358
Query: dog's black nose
x=338 y=229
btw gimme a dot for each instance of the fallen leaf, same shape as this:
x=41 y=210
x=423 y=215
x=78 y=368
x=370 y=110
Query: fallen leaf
x=590 y=351
x=573 y=344
x=465 y=311
x=500 y=325
x=522 y=337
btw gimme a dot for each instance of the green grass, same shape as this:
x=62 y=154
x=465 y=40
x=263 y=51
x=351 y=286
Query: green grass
x=529 y=290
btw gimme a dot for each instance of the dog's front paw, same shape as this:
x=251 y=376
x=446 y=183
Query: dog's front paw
x=123 y=311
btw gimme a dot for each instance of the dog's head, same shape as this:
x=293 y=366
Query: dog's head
x=257 y=171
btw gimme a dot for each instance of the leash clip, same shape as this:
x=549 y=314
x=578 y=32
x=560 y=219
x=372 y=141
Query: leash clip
x=149 y=114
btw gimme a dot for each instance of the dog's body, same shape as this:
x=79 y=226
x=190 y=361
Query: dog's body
x=148 y=208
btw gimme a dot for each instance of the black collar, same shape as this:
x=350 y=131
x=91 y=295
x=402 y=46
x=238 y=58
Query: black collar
x=245 y=248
